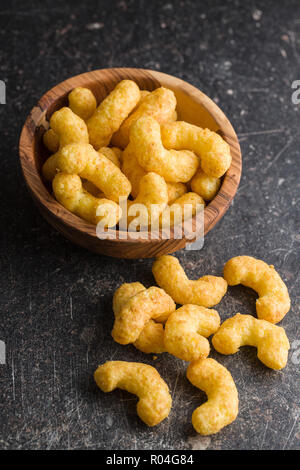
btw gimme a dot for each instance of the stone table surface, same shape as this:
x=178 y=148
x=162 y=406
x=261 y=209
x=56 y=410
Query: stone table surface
x=56 y=298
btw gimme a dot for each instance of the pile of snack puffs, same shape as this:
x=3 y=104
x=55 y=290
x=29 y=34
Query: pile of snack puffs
x=148 y=319
x=131 y=146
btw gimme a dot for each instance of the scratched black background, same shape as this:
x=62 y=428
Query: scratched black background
x=55 y=297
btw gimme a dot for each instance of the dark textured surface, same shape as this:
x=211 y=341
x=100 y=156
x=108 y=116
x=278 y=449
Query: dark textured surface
x=56 y=298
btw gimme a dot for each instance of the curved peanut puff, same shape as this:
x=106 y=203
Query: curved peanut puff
x=149 y=304
x=206 y=291
x=135 y=173
x=92 y=189
x=151 y=339
x=222 y=405
x=118 y=153
x=124 y=293
x=69 y=192
x=150 y=202
x=51 y=140
x=113 y=110
x=244 y=330
x=186 y=331
x=128 y=290
x=173 y=117
x=112 y=153
x=49 y=169
x=274 y=300
x=204 y=185
x=143 y=380
x=175 y=191
x=160 y=104
x=174 y=166
x=208 y=145
x=132 y=170
x=82 y=102
x=113 y=156
x=181 y=210
x=69 y=129
x=114 y=139
x=144 y=93
x=83 y=160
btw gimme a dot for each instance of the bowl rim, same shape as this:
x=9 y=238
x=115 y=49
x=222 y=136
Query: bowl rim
x=37 y=117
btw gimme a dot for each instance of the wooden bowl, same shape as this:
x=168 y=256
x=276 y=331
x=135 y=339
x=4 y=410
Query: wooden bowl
x=193 y=106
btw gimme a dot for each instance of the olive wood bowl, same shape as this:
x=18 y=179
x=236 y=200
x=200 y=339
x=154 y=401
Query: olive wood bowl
x=192 y=105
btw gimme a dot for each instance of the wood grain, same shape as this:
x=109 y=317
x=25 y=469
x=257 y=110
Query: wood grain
x=193 y=106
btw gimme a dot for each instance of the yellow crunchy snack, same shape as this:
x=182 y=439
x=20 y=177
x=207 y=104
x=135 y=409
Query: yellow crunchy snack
x=173 y=117
x=175 y=191
x=69 y=192
x=124 y=293
x=208 y=145
x=118 y=152
x=92 y=189
x=160 y=105
x=83 y=160
x=206 y=291
x=144 y=93
x=82 y=102
x=177 y=212
x=70 y=129
x=186 y=331
x=134 y=172
x=152 y=303
x=222 y=405
x=113 y=110
x=51 y=140
x=50 y=168
x=151 y=339
x=112 y=153
x=274 y=300
x=204 y=185
x=244 y=330
x=145 y=140
x=142 y=380
x=153 y=196
x=132 y=169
